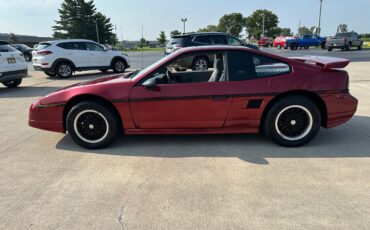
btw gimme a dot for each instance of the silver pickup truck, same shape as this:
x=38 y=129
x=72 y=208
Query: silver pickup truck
x=344 y=41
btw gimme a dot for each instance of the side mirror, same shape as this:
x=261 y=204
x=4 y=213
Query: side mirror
x=150 y=83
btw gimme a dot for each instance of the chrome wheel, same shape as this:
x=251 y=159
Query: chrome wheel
x=294 y=123
x=119 y=66
x=65 y=70
x=201 y=64
x=91 y=126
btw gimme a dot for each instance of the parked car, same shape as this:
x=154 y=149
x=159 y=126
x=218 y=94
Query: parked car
x=13 y=66
x=248 y=91
x=63 y=57
x=306 y=41
x=266 y=41
x=203 y=39
x=345 y=41
x=26 y=51
x=279 y=42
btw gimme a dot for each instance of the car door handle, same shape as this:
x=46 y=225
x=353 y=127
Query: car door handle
x=220 y=98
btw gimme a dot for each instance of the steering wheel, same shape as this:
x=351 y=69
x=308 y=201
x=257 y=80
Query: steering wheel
x=171 y=78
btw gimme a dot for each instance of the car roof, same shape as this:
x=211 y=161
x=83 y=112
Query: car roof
x=67 y=40
x=198 y=34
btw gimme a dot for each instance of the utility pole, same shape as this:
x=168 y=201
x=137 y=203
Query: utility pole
x=263 y=26
x=184 y=20
x=319 y=27
x=299 y=26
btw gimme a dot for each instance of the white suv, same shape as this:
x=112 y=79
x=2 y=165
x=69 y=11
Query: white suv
x=63 y=57
x=13 y=66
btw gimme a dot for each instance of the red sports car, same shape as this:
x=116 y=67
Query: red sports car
x=245 y=91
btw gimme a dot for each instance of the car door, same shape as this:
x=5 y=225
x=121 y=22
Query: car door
x=253 y=78
x=76 y=52
x=98 y=55
x=190 y=103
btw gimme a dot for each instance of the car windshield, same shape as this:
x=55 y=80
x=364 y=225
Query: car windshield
x=7 y=48
x=149 y=68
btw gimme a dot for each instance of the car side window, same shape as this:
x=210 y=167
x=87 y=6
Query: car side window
x=217 y=40
x=233 y=41
x=202 y=40
x=93 y=47
x=192 y=68
x=244 y=66
x=72 y=45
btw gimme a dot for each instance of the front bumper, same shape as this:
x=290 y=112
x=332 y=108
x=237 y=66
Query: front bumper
x=48 y=118
x=13 y=75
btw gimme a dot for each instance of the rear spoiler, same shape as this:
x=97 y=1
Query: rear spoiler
x=324 y=62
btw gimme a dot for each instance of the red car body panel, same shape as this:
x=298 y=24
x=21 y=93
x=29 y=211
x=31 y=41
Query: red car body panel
x=189 y=108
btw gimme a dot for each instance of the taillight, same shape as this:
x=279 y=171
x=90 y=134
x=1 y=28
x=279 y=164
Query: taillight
x=43 y=52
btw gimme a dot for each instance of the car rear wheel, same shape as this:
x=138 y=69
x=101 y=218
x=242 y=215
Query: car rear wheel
x=348 y=47
x=200 y=64
x=330 y=49
x=64 y=70
x=27 y=57
x=293 y=46
x=306 y=47
x=278 y=46
x=13 y=83
x=360 y=47
x=119 y=66
x=91 y=125
x=293 y=121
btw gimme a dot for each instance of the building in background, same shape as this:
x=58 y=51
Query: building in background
x=25 y=39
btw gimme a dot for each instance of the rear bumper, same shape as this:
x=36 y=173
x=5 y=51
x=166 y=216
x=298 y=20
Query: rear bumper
x=13 y=75
x=341 y=108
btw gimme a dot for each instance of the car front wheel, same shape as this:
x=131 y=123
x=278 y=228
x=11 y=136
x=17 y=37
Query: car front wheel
x=293 y=121
x=13 y=83
x=200 y=64
x=91 y=125
x=119 y=66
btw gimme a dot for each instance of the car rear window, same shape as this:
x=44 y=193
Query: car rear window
x=176 y=42
x=42 y=46
x=343 y=35
x=7 y=48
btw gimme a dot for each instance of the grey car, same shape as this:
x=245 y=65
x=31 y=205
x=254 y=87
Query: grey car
x=344 y=41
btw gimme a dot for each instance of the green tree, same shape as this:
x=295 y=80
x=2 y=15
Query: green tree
x=162 y=38
x=303 y=30
x=343 y=28
x=209 y=28
x=232 y=24
x=78 y=19
x=255 y=23
x=13 y=39
x=175 y=33
x=142 y=43
x=286 y=32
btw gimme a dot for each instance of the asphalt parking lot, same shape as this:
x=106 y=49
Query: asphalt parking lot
x=183 y=182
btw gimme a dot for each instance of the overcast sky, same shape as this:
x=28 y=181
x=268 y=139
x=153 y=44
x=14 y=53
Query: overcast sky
x=35 y=17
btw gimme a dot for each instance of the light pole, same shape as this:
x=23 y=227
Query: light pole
x=184 y=20
x=97 y=30
x=319 y=27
